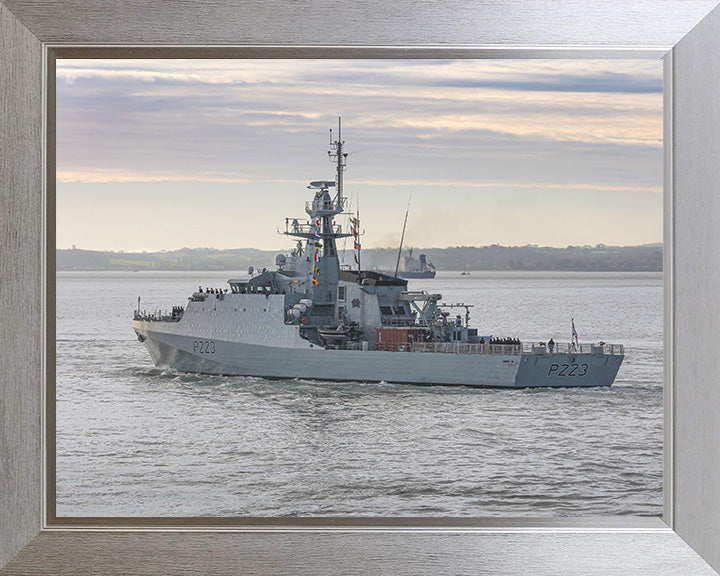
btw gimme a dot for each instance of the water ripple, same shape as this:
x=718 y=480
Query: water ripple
x=133 y=439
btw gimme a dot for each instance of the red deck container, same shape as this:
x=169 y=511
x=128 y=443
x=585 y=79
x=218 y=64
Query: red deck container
x=399 y=338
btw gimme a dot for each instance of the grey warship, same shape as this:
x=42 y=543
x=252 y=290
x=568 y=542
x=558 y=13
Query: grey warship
x=314 y=319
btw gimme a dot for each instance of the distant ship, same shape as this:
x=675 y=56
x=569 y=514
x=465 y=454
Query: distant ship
x=310 y=318
x=465 y=272
x=414 y=268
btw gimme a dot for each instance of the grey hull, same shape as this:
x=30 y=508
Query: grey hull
x=181 y=352
x=417 y=275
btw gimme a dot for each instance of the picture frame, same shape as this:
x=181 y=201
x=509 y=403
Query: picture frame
x=31 y=38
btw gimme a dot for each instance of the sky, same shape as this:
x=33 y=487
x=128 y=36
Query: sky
x=165 y=154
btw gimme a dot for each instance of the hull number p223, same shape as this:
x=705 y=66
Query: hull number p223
x=568 y=370
x=204 y=346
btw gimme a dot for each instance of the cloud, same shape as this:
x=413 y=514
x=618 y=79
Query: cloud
x=540 y=126
x=420 y=98
x=110 y=176
x=547 y=75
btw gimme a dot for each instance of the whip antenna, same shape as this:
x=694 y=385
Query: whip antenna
x=402 y=238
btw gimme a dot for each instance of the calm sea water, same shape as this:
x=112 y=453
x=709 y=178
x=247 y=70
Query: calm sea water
x=136 y=440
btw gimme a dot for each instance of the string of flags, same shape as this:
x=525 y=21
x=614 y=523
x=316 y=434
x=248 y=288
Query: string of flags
x=355 y=228
x=318 y=246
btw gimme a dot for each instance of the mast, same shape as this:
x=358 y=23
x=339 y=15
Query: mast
x=321 y=233
x=357 y=234
x=339 y=169
x=336 y=154
x=397 y=265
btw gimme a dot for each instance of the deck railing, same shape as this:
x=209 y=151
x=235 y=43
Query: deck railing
x=395 y=321
x=329 y=207
x=304 y=229
x=158 y=316
x=502 y=349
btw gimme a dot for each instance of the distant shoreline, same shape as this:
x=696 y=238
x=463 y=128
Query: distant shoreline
x=599 y=258
x=443 y=275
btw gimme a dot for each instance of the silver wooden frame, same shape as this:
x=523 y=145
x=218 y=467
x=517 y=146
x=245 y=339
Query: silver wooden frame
x=31 y=38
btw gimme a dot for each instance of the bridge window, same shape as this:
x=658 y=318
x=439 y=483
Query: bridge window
x=341 y=293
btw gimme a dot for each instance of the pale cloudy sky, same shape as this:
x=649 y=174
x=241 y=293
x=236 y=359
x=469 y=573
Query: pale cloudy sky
x=162 y=154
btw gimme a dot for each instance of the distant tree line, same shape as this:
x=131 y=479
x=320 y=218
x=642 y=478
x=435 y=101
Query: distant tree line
x=599 y=258
x=496 y=257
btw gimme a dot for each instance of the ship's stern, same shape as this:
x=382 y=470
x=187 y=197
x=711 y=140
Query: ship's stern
x=599 y=367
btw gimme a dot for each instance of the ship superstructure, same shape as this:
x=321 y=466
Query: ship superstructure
x=312 y=318
x=417 y=268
